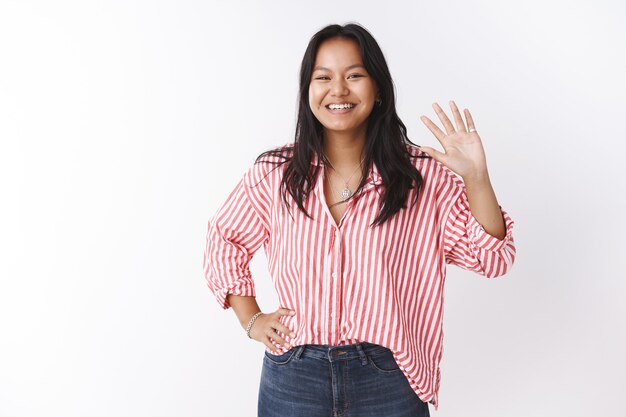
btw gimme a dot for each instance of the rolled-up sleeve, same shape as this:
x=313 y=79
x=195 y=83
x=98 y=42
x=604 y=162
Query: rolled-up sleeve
x=234 y=234
x=468 y=245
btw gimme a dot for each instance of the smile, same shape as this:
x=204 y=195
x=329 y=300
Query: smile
x=339 y=108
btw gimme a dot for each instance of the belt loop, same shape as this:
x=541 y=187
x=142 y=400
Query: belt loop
x=362 y=354
x=299 y=351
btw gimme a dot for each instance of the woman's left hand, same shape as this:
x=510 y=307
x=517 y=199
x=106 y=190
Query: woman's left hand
x=464 y=152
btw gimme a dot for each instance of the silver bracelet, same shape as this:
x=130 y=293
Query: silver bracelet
x=252 y=321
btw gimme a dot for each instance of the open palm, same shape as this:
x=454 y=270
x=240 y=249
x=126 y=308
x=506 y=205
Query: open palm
x=463 y=149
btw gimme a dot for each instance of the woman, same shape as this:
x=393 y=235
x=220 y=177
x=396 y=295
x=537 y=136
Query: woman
x=358 y=224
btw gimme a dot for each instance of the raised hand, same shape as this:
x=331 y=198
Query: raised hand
x=463 y=149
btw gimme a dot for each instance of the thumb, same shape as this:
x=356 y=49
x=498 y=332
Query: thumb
x=436 y=155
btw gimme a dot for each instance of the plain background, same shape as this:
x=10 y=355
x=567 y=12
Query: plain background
x=125 y=124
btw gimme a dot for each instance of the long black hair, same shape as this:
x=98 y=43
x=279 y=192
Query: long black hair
x=385 y=140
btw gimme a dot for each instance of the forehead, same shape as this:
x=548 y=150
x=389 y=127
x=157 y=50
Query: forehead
x=338 y=53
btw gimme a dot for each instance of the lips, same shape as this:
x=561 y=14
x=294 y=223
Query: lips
x=339 y=104
x=340 y=111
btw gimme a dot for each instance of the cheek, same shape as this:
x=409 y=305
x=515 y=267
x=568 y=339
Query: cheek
x=370 y=91
x=313 y=98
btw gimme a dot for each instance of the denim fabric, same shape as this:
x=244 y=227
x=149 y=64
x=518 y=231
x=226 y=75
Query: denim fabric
x=358 y=380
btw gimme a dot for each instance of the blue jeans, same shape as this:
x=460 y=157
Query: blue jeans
x=358 y=380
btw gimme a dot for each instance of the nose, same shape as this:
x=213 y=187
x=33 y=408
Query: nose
x=338 y=87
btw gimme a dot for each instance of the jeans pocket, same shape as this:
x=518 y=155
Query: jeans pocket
x=384 y=362
x=283 y=358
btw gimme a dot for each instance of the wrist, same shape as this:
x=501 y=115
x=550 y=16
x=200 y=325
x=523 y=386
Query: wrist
x=479 y=178
x=251 y=322
x=244 y=323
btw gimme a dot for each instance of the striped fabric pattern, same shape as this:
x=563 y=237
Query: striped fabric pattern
x=350 y=282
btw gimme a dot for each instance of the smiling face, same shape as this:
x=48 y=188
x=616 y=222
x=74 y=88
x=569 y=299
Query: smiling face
x=341 y=93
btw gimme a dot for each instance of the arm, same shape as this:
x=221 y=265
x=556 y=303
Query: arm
x=245 y=307
x=477 y=233
x=484 y=206
x=467 y=242
x=234 y=234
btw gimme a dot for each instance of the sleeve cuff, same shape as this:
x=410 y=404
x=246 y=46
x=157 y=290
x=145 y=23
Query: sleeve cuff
x=242 y=286
x=481 y=238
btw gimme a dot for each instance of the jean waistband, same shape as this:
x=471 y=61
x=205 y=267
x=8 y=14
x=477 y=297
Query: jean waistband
x=344 y=352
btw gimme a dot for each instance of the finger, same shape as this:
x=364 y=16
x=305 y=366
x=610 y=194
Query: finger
x=278 y=339
x=444 y=119
x=433 y=128
x=435 y=154
x=470 y=121
x=286 y=330
x=270 y=345
x=460 y=124
x=286 y=311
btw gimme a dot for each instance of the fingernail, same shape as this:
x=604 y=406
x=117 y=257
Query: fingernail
x=288 y=346
x=292 y=335
x=292 y=313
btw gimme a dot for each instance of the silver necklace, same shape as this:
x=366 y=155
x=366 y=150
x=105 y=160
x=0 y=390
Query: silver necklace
x=345 y=192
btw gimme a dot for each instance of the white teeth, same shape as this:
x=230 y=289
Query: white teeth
x=340 y=106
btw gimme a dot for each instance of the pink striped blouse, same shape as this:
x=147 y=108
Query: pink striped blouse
x=351 y=283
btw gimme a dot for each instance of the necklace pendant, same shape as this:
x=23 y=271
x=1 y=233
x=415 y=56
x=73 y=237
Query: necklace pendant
x=345 y=193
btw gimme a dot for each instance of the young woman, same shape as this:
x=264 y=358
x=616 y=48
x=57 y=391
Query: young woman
x=358 y=224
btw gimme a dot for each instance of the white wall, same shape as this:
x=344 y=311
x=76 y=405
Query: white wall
x=124 y=125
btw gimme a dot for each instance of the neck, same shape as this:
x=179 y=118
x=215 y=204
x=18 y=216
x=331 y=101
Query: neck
x=344 y=150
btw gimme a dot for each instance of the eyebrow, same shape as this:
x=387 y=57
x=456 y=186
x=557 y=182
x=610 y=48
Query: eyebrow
x=347 y=68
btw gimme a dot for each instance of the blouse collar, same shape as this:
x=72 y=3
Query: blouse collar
x=373 y=177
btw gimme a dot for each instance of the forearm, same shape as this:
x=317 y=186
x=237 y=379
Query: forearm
x=484 y=205
x=244 y=307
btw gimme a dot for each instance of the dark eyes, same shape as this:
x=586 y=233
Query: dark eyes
x=322 y=77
